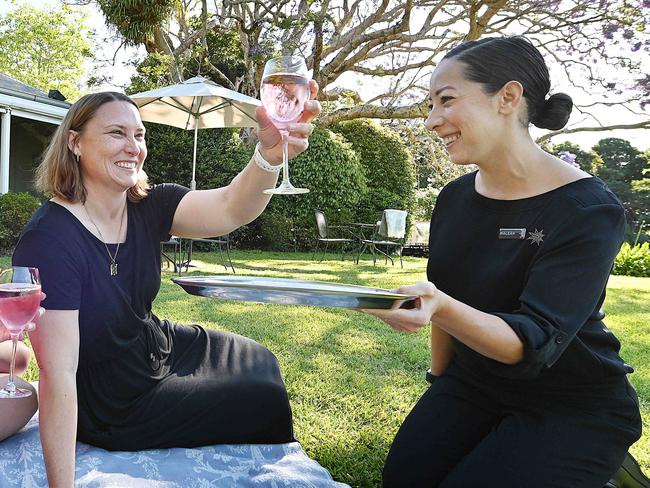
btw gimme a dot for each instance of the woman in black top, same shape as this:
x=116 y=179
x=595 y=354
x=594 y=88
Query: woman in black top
x=112 y=373
x=530 y=389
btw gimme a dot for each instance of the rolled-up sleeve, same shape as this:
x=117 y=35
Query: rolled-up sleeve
x=564 y=286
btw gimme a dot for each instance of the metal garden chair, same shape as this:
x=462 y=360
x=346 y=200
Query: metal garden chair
x=324 y=236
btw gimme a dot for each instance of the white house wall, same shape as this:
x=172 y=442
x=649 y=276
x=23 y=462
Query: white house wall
x=28 y=109
x=5 y=133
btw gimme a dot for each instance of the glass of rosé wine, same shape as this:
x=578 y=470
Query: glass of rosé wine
x=20 y=297
x=284 y=91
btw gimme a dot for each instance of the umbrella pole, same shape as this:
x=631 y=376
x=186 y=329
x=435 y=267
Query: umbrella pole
x=193 y=182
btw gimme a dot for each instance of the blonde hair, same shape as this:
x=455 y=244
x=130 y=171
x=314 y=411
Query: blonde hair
x=59 y=173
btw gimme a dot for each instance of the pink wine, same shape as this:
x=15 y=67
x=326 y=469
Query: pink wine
x=284 y=96
x=18 y=304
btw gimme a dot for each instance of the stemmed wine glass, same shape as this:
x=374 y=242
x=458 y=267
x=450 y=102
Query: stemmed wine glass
x=284 y=91
x=20 y=296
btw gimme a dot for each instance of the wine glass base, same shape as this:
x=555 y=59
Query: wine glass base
x=19 y=393
x=283 y=190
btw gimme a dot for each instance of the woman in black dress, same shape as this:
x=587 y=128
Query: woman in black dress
x=113 y=374
x=530 y=389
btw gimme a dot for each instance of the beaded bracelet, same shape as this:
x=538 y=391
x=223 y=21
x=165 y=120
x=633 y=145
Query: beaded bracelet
x=263 y=163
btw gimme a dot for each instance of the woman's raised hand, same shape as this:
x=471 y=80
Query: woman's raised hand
x=411 y=316
x=270 y=138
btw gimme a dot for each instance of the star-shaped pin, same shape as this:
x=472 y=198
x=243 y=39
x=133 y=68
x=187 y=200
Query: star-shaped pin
x=536 y=237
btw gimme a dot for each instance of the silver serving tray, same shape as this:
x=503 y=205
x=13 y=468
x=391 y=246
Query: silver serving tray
x=286 y=291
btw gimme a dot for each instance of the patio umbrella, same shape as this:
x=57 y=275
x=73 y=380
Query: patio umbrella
x=196 y=104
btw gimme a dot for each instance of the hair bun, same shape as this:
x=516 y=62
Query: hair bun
x=554 y=113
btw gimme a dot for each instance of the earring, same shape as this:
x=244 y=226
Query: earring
x=77 y=156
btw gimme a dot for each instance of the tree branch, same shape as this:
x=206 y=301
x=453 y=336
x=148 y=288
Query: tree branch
x=639 y=125
x=375 y=112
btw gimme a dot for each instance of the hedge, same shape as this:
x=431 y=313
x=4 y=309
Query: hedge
x=334 y=175
x=388 y=167
x=221 y=154
x=15 y=211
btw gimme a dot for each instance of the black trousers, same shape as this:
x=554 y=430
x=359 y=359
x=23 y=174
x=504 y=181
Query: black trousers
x=463 y=434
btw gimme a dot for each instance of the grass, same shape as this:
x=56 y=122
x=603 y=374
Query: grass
x=351 y=379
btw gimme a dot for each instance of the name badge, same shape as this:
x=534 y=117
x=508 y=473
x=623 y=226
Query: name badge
x=512 y=233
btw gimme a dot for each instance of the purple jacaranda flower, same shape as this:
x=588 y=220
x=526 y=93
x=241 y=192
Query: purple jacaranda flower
x=637 y=46
x=569 y=158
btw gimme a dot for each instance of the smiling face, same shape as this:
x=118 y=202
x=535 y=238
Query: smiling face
x=462 y=114
x=111 y=146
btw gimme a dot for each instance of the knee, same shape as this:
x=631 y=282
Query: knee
x=16 y=412
x=30 y=403
x=396 y=474
x=273 y=394
x=21 y=363
x=400 y=471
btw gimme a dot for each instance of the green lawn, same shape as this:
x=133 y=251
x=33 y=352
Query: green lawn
x=351 y=379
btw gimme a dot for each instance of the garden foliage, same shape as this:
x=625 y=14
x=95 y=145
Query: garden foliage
x=15 y=211
x=353 y=175
x=633 y=260
x=425 y=200
x=388 y=167
x=333 y=173
x=220 y=156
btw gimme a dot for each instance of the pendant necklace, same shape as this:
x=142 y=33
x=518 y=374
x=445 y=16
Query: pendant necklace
x=113 y=263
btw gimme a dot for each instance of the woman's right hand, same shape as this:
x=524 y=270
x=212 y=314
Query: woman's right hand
x=413 y=318
x=270 y=138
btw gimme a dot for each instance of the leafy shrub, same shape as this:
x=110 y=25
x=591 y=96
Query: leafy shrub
x=335 y=177
x=633 y=260
x=388 y=167
x=425 y=199
x=15 y=211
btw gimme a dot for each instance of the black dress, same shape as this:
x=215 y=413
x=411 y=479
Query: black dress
x=143 y=382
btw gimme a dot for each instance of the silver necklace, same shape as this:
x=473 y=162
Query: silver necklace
x=113 y=263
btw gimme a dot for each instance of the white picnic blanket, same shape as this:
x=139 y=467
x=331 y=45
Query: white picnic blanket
x=241 y=466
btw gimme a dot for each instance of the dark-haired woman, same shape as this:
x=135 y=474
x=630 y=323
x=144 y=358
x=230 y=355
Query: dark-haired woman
x=112 y=373
x=530 y=389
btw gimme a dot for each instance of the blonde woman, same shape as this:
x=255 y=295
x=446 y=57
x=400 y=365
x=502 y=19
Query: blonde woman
x=113 y=374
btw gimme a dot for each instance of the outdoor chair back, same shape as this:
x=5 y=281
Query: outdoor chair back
x=325 y=238
x=393 y=224
x=389 y=233
x=321 y=224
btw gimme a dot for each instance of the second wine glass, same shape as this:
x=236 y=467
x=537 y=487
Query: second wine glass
x=20 y=296
x=284 y=91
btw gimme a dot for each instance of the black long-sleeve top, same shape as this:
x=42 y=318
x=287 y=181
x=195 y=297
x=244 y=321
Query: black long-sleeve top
x=539 y=263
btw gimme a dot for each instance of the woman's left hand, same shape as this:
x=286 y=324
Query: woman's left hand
x=4 y=333
x=419 y=312
x=270 y=138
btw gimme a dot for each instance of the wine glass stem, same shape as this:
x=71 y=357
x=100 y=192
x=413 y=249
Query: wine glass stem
x=285 y=156
x=11 y=387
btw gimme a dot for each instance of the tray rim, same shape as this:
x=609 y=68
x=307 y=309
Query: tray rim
x=380 y=292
